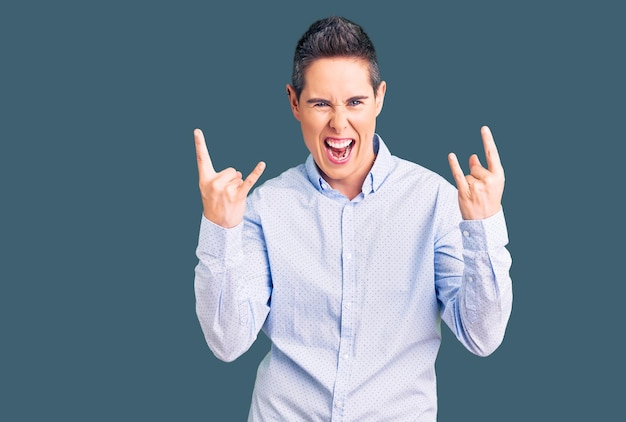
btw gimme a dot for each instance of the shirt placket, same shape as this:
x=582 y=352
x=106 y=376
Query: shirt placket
x=346 y=342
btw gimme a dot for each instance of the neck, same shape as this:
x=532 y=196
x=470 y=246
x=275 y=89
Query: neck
x=350 y=187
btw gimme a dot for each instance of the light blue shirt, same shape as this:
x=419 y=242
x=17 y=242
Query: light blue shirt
x=352 y=293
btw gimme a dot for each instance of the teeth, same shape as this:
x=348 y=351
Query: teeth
x=339 y=144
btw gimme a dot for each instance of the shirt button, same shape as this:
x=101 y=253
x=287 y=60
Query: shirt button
x=348 y=305
x=349 y=256
x=466 y=233
x=338 y=404
x=470 y=279
x=345 y=356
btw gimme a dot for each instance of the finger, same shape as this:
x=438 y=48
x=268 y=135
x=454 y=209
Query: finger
x=457 y=172
x=476 y=168
x=205 y=166
x=253 y=177
x=229 y=177
x=233 y=186
x=491 y=151
x=472 y=185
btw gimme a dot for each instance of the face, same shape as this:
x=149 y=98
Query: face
x=337 y=111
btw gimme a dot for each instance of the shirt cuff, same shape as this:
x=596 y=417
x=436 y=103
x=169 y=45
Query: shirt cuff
x=486 y=234
x=218 y=241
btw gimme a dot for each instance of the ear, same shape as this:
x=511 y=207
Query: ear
x=293 y=102
x=380 y=97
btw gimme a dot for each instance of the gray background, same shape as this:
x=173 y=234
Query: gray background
x=100 y=207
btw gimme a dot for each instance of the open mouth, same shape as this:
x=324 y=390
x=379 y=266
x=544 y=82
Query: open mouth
x=338 y=151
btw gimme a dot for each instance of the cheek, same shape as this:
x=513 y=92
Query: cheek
x=311 y=136
x=313 y=125
x=364 y=122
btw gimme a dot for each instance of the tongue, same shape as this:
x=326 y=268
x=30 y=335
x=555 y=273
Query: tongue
x=338 y=152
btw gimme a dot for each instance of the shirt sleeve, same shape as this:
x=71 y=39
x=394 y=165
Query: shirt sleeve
x=232 y=286
x=477 y=302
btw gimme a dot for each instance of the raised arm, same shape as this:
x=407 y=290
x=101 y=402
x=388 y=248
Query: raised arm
x=232 y=284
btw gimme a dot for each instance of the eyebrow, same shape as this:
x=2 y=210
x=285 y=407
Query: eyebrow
x=318 y=100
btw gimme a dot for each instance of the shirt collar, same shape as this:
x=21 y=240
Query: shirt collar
x=375 y=178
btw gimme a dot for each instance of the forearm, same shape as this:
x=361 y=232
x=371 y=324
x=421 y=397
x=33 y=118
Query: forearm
x=230 y=305
x=481 y=308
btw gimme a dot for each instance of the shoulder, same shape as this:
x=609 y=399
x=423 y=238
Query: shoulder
x=427 y=190
x=416 y=176
x=290 y=179
x=278 y=191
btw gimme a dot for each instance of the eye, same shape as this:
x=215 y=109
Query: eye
x=320 y=104
x=355 y=102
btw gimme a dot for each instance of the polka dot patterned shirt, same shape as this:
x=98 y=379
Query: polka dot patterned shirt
x=351 y=293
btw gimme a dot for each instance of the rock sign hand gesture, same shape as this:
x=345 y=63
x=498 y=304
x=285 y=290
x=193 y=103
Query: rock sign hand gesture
x=480 y=192
x=223 y=193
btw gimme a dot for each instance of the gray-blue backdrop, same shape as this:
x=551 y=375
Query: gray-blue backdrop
x=100 y=207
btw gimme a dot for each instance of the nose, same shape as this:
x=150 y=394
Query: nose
x=339 y=119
